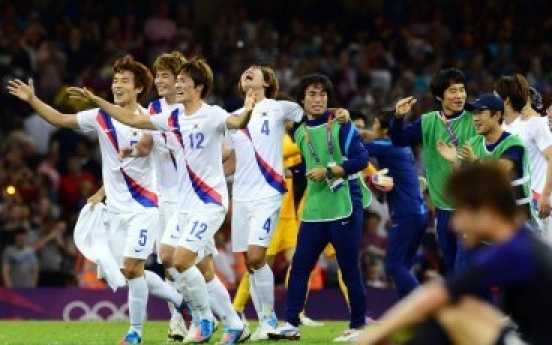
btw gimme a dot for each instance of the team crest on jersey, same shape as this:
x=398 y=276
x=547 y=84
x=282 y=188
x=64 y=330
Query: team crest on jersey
x=264 y=114
x=195 y=126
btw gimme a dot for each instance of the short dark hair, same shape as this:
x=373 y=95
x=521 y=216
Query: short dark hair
x=443 y=79
x=200 y=72
x=358 y=115
x=269 y=76
x=384 y=117
x=514 y=87
x=487 y=184
x=314 y=79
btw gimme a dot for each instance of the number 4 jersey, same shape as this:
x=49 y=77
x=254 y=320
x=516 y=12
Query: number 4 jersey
x=203 y=185
x=259 y=160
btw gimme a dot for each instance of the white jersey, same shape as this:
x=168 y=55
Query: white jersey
x=536 y=137
x=164 y=155
x=200 y=135
x=128 y=184
x=259 y=159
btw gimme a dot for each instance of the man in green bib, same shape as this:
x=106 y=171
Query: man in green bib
x=493 y=143
x=453 y=125
x=333 y=210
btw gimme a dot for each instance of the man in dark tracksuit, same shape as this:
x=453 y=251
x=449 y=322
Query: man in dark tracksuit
x=406 y=205
x=333 y=210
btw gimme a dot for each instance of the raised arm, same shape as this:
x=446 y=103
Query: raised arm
x=400 y=134
x=241 y=121
x=122 y=115
x=25 y=92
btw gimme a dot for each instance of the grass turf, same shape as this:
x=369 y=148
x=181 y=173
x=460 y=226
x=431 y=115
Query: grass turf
x=100 y=333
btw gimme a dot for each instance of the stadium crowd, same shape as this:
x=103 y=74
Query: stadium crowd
x=375 y=52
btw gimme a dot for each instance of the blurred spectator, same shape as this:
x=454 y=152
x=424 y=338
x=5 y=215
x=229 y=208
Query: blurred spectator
x=70 y=185
x=55 y=251
x=159 y=30
x=373 y=243
x=224 y=261
x=20 y=265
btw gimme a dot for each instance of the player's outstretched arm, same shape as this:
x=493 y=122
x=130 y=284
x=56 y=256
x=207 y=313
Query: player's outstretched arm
x=122 y=115
x=412 y=310
x=239 y=122
x=26 y=93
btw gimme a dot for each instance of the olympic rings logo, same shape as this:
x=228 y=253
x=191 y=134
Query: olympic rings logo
x=81 y=311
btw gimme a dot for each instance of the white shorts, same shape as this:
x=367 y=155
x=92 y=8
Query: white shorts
x=253 y=222
x=134 y=233
x=198 y=232
x=168 y=233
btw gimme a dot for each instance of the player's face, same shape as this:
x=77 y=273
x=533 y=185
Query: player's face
x=165 y=83
x=124 y=89
x=454 y=98
x=472 y=225
x=483 y=121
x=186 y=90
x=359 y=124
x=316 y=100
x=252 y=78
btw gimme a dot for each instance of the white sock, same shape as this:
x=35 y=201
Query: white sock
x=161 y=289
x=194 y=288
x=263 y=281
x=137 y=303
x=222 y=305
x=255 y=296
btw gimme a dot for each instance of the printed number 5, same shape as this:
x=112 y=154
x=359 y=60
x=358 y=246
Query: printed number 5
x=265 y=129
x=143 y=237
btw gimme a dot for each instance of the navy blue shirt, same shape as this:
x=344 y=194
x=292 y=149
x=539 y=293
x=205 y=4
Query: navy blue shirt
x=522 y=269
x=350 y=143
x=406 y=197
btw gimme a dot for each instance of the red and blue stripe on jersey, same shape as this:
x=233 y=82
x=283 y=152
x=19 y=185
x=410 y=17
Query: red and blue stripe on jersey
x=143 y=196
x=156 y=108
x=272 y=177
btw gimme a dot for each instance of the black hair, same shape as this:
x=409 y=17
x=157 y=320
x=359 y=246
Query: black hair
x=384 y=117
x=482 y=185
x=443 y=79
x=314 y=79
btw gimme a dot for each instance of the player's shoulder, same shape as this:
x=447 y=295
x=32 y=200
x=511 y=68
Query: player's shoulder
x=236 y=112
x=91 y=112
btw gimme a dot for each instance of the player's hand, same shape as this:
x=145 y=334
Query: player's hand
x=543 y=206
x=466 y=153
x=342 y=115
x=19 y=89
x=447 y=151
x=95 y=199
x=124 y=153
x=250 y=100
x=316 y=174
x=404 y=105
x=381 y=181
x=81 y=94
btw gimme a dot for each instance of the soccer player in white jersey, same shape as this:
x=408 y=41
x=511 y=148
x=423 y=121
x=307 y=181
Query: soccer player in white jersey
x=533 y=131
x=259 y=183
x=165 y=149
x=131 y=202
x=200 y=128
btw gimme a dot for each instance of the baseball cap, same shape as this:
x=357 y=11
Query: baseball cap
x=488 y=101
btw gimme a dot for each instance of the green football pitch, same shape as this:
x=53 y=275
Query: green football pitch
x=100 y=333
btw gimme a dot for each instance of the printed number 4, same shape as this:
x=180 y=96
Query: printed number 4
x=143 y=237
x=196 y=141
x=265 y=128
x=202 y=227
x=266 y=225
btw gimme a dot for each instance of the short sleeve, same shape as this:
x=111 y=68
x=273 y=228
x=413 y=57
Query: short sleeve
x=161 y=120
x=292 y=111
x=220 y=117
x=86 y=120
x=541 y=133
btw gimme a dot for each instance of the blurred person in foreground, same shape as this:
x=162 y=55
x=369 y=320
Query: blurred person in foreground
x=519 y=263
